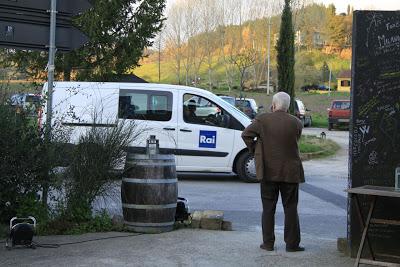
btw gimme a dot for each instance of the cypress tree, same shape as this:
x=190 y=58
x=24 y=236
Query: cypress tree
x=285 y=57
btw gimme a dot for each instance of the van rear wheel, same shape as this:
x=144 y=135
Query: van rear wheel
x=246 y=168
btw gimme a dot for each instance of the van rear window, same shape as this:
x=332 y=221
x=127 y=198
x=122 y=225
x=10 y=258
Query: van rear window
x=145 y=105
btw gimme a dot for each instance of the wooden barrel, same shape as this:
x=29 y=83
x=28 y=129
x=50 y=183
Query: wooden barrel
x=149 y=193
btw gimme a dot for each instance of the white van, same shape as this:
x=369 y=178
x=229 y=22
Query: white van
x=208 y=140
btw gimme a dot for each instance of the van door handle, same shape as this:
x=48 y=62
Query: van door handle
x=169 y=129
x=185 y=130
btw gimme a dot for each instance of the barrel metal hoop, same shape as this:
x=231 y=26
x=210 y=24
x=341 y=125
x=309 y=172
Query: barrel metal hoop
x=148 y=224
x=149 y=181
x=148 y=207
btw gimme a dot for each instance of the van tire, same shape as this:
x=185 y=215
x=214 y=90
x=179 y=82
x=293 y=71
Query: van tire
x=242 y=168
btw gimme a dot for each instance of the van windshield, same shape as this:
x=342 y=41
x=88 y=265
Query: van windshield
x=240 y=113
x=230 y=100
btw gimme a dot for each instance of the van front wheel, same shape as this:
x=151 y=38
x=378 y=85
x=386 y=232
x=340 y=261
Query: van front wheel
x=246 y=168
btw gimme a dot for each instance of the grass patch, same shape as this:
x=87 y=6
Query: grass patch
x=313 y=144
x=319 y=120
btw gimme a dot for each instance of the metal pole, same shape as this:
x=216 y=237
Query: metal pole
x=50 y=80
x=330 y=77
x=51 y=67
x=268 y=54
x=159 y=59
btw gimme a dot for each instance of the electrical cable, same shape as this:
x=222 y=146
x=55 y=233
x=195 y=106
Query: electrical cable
x=55 y=245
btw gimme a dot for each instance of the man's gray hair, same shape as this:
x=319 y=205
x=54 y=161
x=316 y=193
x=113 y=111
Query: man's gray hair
x=281 y=101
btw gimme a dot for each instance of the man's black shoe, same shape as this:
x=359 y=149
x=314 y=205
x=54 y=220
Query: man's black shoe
x=294 y=249
x=266 y=247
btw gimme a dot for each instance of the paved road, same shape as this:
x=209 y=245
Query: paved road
x=322 y=205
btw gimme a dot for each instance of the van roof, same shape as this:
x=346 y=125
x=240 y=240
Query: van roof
x=146 y=85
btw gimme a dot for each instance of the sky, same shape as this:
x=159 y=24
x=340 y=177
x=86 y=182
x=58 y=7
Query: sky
x=341 y=5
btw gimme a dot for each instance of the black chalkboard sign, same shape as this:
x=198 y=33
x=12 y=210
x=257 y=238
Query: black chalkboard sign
x=375 y=124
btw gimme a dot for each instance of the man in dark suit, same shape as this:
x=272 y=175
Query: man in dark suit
x=274 y=139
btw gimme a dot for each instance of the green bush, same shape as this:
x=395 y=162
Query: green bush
x=20 y=162
x=28 y=169
x=89 y=175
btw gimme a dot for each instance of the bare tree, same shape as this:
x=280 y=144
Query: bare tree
x=245 y=59
x=191 y=29
x=209 y=15
x=174 y=37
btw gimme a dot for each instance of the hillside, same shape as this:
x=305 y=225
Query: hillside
x=208 y=59
x=308 y=69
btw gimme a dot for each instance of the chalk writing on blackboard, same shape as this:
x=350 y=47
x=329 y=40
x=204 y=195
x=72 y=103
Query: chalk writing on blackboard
x=373 y=158
x=375 y=21
x=364 y=130
x=375 y=123
x=369 y=141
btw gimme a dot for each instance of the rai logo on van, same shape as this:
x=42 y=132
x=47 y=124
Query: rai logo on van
x=208 y=139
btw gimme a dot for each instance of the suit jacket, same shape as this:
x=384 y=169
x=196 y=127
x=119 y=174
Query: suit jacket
x=273 y=138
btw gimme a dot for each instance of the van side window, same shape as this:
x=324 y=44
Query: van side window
x=145 y=105
x=200 y=110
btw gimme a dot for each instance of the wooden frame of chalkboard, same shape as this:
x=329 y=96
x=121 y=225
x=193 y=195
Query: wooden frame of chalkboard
x=374 y=150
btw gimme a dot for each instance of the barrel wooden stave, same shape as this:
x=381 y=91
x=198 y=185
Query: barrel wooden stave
x=149 y=194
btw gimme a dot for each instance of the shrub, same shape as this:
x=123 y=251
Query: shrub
x=28 y=165
x=89 y=175
x=20 y=157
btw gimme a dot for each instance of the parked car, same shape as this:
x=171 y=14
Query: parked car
x=309 y=87
x=323 y=87
x=303 y=113
x=30 y=103
x=248 y=106
x=339 y=113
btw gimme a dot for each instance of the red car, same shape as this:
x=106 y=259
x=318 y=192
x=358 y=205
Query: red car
x=339 y=113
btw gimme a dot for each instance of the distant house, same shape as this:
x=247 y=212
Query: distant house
x=318 y=39
x=344 y=81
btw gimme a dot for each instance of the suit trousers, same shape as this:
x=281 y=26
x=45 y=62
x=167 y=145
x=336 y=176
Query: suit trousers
x=290 y=197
